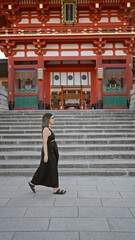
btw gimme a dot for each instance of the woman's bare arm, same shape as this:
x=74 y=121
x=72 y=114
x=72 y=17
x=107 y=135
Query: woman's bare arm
x=46 y=133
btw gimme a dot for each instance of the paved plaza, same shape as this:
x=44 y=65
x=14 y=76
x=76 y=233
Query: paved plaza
x=94 y=208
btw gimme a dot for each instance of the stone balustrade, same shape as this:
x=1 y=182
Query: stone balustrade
x=132 y=101
x=3 y=98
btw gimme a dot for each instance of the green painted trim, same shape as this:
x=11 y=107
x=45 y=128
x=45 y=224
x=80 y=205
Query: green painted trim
x=26 y=101
x=114 y=90
x=114 y=101
x=25 y=90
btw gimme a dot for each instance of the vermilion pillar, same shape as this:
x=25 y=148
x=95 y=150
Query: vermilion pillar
x=40 y=82
x=61 y=107
x=99 y=93
x=81 y=103
x=129 y=76
x=47 y=89
x=93 y=88
x=99 y=102
x=11 y=82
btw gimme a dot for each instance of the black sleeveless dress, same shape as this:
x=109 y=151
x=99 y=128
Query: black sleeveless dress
x=47 y=173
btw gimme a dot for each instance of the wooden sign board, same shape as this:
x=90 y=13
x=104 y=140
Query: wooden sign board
x=69 y=11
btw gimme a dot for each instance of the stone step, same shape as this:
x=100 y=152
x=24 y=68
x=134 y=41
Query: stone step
x=115 y=141
x=74 y=136
x=67 y=128
x=71 y=111
x=71 y=147
x=72 y=172
x=69 y=117
x=33 y=131
x=98 y=172
x=63 y=128
x=72 y=168
x=70 y=120
x=22 y=155
x=87 y=111
x=76 y=127
x=108 y=163
x=65 y=119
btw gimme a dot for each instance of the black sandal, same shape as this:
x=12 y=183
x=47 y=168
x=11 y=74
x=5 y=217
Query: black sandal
x=60 y=192
x=32 y=186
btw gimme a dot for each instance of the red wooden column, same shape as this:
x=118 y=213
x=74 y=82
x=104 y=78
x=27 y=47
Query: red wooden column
x=11 y=82
x=40 y=82
x=99 y=102
x=129 y=77
x=47 y=90
x=81 y=103
x=93 y=89
x=61 y=107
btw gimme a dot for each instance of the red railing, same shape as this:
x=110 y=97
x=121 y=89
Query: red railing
x=34 y=2
x=27 y=2
x=85 y=1
x=61 y=30
x=111 y=1
x=56 y=2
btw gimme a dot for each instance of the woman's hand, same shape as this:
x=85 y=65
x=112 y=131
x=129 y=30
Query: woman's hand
x=45 y=159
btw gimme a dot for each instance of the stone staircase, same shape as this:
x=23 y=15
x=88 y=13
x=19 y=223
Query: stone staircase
x=91 y=142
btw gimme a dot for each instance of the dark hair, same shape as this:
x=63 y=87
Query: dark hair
x=45 y=120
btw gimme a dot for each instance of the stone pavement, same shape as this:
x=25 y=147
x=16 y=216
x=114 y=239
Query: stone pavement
x=94 y=208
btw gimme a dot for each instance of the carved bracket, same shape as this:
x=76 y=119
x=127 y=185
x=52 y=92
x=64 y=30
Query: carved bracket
x=99 y=44
x=43 y=10
x=40 y=45
x=7 y=47
x=126 y=12
x=11 y=15
x=130 y=44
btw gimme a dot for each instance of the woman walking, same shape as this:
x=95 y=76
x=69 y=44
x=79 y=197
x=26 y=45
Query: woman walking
x=47 y=172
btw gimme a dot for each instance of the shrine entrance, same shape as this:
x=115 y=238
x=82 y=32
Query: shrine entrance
x=70 y=90
x=70 y=99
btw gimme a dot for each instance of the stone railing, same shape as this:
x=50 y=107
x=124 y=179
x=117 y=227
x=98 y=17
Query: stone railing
x=3 y=98
x=132 y=101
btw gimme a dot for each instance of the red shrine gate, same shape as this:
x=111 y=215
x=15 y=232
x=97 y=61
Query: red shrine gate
x=80 y=58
